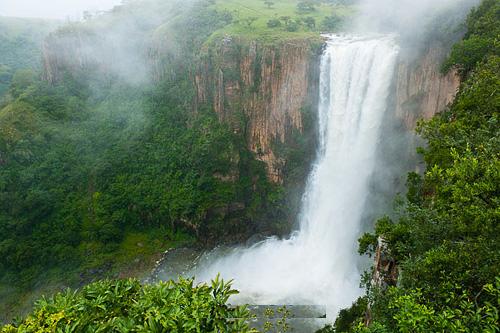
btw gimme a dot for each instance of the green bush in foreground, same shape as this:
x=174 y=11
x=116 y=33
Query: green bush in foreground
x=128 y=306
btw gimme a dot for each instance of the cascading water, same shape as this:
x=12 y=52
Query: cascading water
x=319 y=263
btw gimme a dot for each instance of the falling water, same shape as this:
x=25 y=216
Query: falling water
x=319 y=263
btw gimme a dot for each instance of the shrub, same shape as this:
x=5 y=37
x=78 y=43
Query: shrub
x=273 y=23
x=128 y=306
x=331 y=23
x=306 y=7
x=292 y=26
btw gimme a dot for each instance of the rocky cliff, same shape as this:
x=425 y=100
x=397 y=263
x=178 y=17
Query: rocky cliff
x=72 y=50
x=421 y=89
x=261 y=90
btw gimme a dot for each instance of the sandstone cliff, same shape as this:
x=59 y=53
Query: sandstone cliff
x=261 y=90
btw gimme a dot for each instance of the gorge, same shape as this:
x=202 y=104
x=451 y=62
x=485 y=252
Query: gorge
x=267 y=143
x=317 y=265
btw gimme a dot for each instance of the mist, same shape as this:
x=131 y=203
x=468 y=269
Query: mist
x=54 y=9
x=415 y=22
x=117 y=43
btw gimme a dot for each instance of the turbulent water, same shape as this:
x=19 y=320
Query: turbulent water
x=319 y=263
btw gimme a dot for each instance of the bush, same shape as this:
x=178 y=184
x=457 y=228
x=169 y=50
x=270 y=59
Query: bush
x=292 y=26
x=331 y=23
x=306 y=7
x=273 y=23
x=310 y=22
x=128 y=306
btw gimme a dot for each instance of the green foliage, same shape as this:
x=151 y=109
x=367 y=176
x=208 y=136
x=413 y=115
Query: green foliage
x=412 y=313
x=273 y=23
x=293 y=26
x=269 y=4
x=367 y=244
x=332 y=23
x=306 y=7
x=310 y=22
x=348 y=318
x=127 y=306
x=445 y=236
x=480 y=41
x=20 y=41
x=303 y=18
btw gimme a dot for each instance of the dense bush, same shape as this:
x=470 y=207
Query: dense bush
x=332 y=23
x=306 y=7
x=480 y=41
x=128 y=306
x=20 y=41
x=273 y=23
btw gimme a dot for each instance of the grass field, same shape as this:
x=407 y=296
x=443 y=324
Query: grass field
x=251 y=17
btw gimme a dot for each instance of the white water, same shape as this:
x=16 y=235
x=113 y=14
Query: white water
x=319 y=263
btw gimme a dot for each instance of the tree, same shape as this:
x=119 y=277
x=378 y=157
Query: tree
x=21 y=80
x=293 y=26
x=306 y=7
x=273 y=23
x=285 y=19
x=310 y=22
x=331 y=23
x=269 y=4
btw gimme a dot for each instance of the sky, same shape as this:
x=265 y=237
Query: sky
x=55 y=9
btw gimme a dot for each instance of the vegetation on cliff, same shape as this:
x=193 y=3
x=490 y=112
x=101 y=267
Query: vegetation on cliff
x=20 y=46
x=445 y=240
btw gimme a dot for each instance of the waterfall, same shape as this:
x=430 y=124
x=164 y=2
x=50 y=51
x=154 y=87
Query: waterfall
x=318 y=264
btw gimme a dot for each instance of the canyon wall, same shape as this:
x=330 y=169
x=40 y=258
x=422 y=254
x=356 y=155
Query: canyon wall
x=77 y=51
x=261 y=90
x=421 y=89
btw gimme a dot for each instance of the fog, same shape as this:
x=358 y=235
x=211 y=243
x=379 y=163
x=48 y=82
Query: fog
x=409 y=18
x=53 y=9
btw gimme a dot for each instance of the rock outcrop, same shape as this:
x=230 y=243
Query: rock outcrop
x=74 y=51
x=261 y=90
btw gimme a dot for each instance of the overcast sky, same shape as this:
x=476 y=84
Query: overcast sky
x=59 y=9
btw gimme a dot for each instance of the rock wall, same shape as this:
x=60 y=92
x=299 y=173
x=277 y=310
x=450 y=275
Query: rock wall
x=75 y=51
x=261 y=90
x=421 y=89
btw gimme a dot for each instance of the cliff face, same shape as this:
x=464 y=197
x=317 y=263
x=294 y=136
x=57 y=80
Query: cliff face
x=85 y=52
x=74 y=52
x=260 y=90
x=421 y=89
